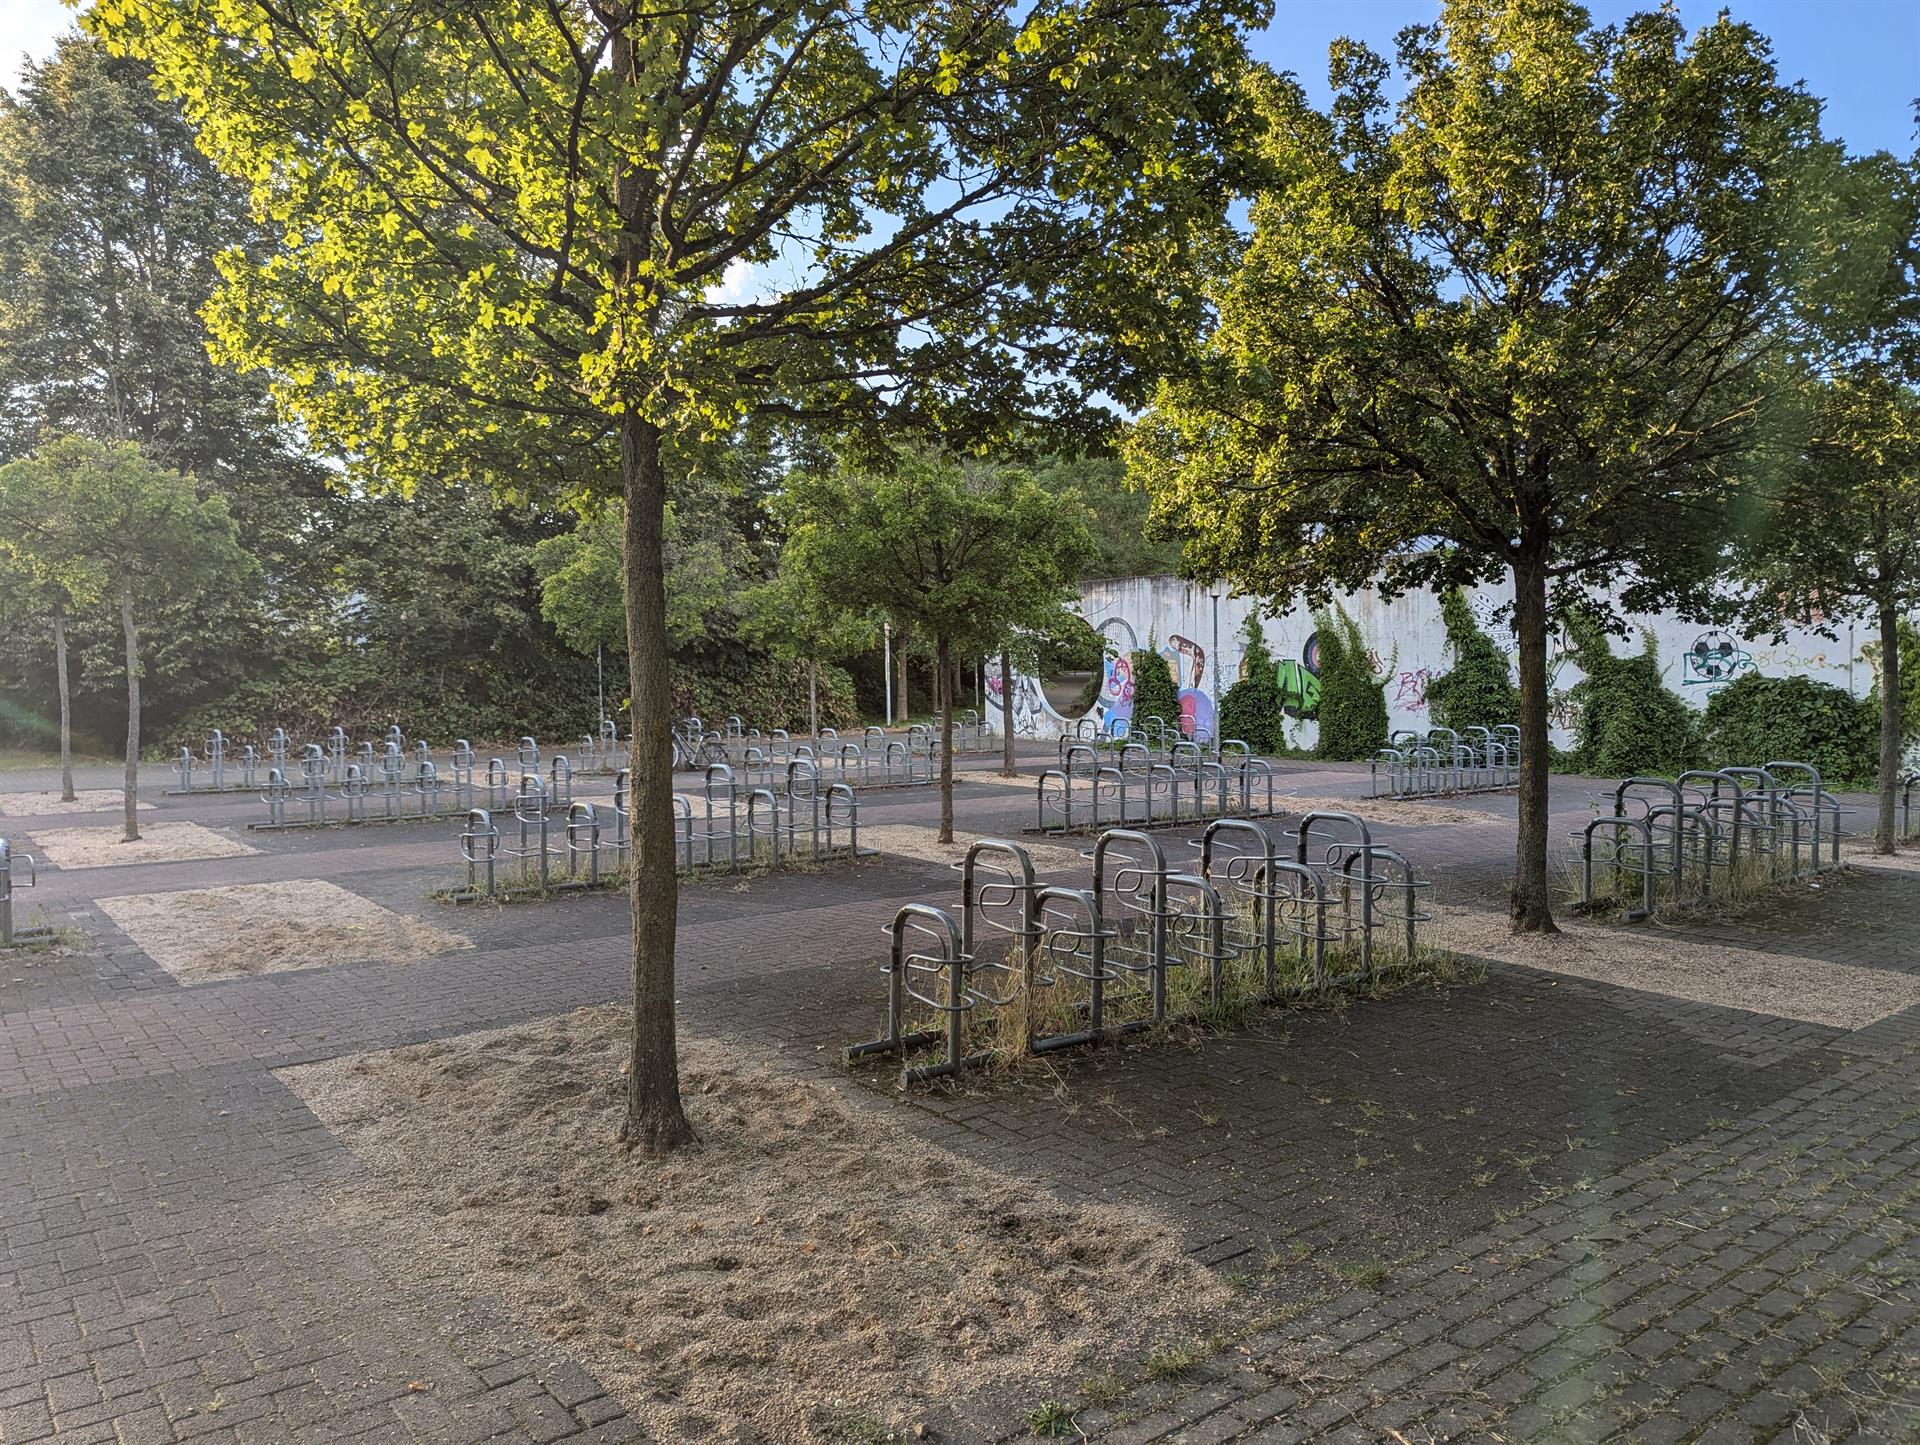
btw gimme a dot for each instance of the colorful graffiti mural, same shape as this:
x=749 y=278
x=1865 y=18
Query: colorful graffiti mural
x=1407 y=646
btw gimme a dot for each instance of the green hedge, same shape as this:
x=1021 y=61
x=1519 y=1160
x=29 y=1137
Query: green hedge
x=1154 y=694
x=1766 y=719
x=1353 y=704
x=1251 y=709
x=1629 y=723
x=1477 y=691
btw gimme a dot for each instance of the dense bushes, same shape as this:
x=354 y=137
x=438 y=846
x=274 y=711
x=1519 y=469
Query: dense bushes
x=1765 y=719
x=1477 y=691
x=1251 y=709
x=1353 y=705
x=763 y=691
x=1629 y=723
x=1154 y=694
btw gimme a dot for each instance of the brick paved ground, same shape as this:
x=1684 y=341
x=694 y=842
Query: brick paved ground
x=1532 y=1208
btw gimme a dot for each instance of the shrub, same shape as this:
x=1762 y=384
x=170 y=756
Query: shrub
x=1251 y=710
x=1154 y=694
x=1629 y=723
x=1765 y=719
x=1353 y=704
x=1477 y=690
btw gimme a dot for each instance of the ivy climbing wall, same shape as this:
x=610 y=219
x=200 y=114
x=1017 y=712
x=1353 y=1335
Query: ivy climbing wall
x=1200 y=635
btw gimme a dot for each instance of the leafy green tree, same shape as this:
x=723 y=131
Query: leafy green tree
x=122 y=528
x=1353 y=704
x=796 y=621
x=522 y=246
x=962 y=554
x=111 y=222
x=1477 y=691
x=1521 y=321
x=36 y=582
x=1837 y=535
x=1252 y=709
x=1125 y=541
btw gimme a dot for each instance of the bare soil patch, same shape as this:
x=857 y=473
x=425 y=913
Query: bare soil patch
x=159 y=843
x=912 y=840
x=1905 y=861
x=1388 y=810
x=1666 y=961
x=204 y=934
x=49 y=804
x=806 y=1264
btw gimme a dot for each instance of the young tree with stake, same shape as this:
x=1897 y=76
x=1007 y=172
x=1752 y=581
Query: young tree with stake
x=964 y=554
x=512 y=244
x=114 y=526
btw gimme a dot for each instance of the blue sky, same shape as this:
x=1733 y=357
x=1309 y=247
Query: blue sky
x=1861 y=56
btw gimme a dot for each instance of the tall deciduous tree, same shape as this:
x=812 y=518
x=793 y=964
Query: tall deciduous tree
x=1518 y=323
x=122 y=528
x=110 y=224
x=1840 y=539
x=966 y=555
x=511 y=237
x=1837 y=535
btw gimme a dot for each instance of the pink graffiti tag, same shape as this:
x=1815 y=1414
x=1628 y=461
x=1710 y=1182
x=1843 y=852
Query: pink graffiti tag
x=1411 y=692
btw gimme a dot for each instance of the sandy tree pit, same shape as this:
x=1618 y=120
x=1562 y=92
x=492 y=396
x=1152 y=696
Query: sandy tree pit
x=808 y=1262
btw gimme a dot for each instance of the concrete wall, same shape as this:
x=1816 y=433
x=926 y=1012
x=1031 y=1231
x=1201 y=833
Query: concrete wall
x=1408 y=644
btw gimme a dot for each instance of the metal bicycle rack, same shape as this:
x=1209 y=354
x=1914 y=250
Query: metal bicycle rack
x=872 y=760
x=1685 y=840
x=1441 y=762
x=1094 y=788
x=218 y=767
x=322 y=789
x=218 y=759
x=538 y=839
x=1028 y=967
x=17 y=870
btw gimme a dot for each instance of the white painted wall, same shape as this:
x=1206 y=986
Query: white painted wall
x=1408 y=644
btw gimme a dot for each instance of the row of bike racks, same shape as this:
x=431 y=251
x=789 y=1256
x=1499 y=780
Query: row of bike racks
x=17 y=870
x=401 y=788
x=1028 y=967
x=1443 y=761
x=220 y=767
x=1684 y=840
x=872 y=759
x=1153 y=732
x=1095 y=787
x=532 y=841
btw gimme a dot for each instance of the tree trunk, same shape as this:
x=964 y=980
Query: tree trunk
x=1007 y=769
x=943 y=680
x=1531 y=902
x=1885 y=829
x=655 y=1121
x=132 y=797
x=66 y=704
x=813 y=699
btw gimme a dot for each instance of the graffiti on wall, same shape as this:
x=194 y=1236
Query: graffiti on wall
x=1713 y=660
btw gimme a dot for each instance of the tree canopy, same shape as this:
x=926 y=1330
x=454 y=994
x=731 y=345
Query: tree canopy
x=1523 y=321
x=541 y=244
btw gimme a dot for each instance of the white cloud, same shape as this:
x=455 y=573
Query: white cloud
x=737 y=284
x=30 y=27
